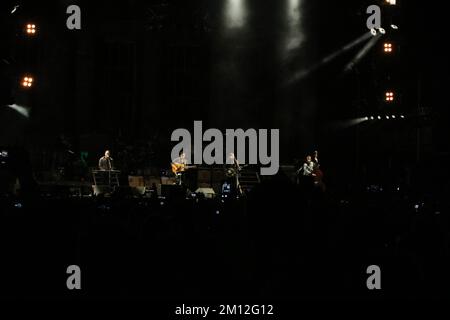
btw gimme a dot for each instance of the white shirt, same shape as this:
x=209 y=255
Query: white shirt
x=308 y=168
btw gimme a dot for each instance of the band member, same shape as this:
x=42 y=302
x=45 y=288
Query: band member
x=180 y=162
x=178 y=167
x=312 y=174
x=233 y=161
x=315 y=159
x=232 y=171
x=305 y=175
x=307 y=170
x=106 y=162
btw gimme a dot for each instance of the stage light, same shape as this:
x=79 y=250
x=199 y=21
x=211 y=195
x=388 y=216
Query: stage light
x=15 y=9
x=391 y=2
x=305 y=72
x=402 y=116
x=350 y=122
x=294 y=11
x=382 y=31
x=387 y=117
x=393 y=26
x=235 y=14
x=373 y=32
x=18 y=205
x=379 y=117
x=24 y=111
x=27 y=82
x=372 y=118
x=294 y=35
x=361 y=54
x=387 y=47
x=393 y=117
x=389 y=96
x=31 y=29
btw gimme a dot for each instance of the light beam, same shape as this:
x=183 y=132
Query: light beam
x=235 y=14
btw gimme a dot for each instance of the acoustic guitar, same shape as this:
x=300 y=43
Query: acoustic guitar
x=180 y=167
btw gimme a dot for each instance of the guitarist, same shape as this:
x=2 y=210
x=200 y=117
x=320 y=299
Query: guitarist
x=179 y=166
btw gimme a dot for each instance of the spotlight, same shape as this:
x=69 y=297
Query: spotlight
x=372 y=118
x=373 y=32
x=389 y=96
x=294 y=35
x=367 y=118
x=20 y=110
x=31 y=29
x=388 y=48
x=27 y=82
x=393 y=117
x=393 y=26
x=235 y=13
x=402 y=116
x=387 y=117
x=379 y=117
x=382 y=31
x=15 y=9
x=391 y=2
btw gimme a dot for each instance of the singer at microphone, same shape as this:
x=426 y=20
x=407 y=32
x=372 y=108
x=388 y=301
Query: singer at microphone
x=106 y=162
